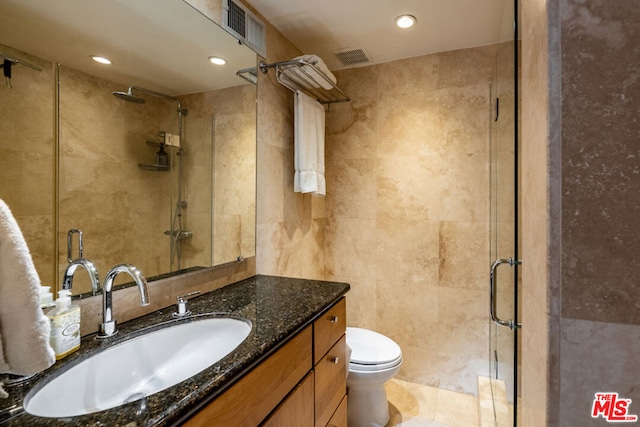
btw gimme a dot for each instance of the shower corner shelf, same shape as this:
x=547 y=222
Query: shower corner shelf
x=154 y=168
x=299 y=74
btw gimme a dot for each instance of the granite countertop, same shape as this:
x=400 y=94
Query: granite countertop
x=277 y=307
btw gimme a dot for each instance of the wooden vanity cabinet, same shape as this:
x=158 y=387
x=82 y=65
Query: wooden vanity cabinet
x=297 y=409
x=303 y=384
x=330 y=364
x=255 y=395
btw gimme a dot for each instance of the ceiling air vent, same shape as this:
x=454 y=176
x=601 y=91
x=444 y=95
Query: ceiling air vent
x=245 y=26
x=353 y=56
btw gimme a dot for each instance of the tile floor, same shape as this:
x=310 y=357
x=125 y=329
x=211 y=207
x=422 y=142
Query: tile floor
x=417 y=405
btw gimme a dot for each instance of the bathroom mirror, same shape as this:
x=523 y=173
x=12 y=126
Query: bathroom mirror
x=167 y=185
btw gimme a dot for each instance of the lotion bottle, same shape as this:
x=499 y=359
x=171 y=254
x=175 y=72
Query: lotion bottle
x=65 y=325
x=46 y=299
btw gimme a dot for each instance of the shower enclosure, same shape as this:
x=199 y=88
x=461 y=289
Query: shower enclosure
x=171 y=161
x=505 y=263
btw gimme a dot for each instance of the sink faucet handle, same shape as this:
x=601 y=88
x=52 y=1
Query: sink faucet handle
x=182 y=304
x=70 y=244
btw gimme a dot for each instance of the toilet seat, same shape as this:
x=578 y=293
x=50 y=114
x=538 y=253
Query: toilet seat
x=372 y=351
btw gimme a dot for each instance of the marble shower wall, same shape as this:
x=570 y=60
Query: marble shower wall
x=600 y=209
x=407 y=207
x=580 y=142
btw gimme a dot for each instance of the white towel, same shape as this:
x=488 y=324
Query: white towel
x=308 y=146
x=308 y=77
x=24 y=329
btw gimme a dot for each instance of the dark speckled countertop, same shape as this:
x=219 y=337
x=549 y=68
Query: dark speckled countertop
x=277 y=307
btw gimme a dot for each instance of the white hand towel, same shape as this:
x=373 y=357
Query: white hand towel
x=309 y=77
x=308 y=146
x=24 y=329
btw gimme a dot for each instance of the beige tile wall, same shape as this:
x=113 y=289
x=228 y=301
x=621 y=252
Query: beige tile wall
x=27 y=152
x=407 y=205
x=290 y=227
x=121 y=209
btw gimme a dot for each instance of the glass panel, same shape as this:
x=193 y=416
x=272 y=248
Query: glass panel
x=504 y=342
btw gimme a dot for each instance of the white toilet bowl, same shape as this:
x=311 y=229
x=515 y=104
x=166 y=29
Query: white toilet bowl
x=375 y=359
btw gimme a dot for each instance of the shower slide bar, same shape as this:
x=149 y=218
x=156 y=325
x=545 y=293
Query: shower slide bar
x=301 y=75
x=511 y=324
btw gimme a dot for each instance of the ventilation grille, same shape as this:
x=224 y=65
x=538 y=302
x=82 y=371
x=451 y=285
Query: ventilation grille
x=245 y=26
x=352 y=56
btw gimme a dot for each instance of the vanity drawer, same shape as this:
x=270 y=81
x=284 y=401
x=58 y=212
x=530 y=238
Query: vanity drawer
x=339 y=418
x=328 y=328
x=331 y=382
x=297 y=408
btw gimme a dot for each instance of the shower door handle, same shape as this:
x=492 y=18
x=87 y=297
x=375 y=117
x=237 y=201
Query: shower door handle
x=511 y=324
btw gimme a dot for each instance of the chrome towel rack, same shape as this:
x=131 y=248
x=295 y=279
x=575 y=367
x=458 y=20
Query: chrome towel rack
x=301 y=75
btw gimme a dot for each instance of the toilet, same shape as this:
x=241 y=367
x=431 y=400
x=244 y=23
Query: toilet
x=375 y=359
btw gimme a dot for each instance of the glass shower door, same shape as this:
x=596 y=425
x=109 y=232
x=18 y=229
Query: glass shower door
x=504 y=277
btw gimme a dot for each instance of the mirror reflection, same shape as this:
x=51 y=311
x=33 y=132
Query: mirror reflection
x=151 y=157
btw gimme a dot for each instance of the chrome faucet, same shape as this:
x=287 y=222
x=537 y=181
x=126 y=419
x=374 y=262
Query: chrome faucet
x=67 y=282
x=108 y=326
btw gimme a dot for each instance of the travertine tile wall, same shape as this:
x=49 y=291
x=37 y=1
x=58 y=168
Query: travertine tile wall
x=121 y=209
x=580 y=219
x=290 y=226
x=27 y=152
x=408 y=214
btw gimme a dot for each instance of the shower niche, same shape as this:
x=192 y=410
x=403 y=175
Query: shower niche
x=161 y=158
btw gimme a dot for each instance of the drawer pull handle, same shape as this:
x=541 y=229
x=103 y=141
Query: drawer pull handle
x=334 y=319
x=334 y=359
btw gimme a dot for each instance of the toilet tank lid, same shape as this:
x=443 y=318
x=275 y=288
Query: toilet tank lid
x=371 y=348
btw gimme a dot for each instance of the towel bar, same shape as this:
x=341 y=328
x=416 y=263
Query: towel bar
x=295 y=76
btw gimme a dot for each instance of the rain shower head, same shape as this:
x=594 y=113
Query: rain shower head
x=129 y=96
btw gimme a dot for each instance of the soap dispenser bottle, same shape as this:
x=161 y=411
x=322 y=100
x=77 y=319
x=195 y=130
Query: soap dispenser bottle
x=65 y=325
x=162 y=157
x=46 y=299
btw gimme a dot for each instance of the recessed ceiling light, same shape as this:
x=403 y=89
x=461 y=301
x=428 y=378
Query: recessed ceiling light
x=217 y=60
x=101 y=59
x=405 y=21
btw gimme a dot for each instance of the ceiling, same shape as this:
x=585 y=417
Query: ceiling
x=163 y=45
x=324 y=27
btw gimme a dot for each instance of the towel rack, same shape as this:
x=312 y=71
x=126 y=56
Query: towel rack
x=294 y=76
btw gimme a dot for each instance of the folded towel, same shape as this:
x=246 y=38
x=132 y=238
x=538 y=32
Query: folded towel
x=24 y=329
x=308 y=146
x=308 y=77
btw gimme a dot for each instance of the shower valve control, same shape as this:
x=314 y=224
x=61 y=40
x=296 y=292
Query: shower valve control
x=171 y=139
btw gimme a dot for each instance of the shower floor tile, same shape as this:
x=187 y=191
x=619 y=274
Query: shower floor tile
x=417 y=405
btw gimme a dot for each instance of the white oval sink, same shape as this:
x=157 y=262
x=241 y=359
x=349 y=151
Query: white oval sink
x=138 y=367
